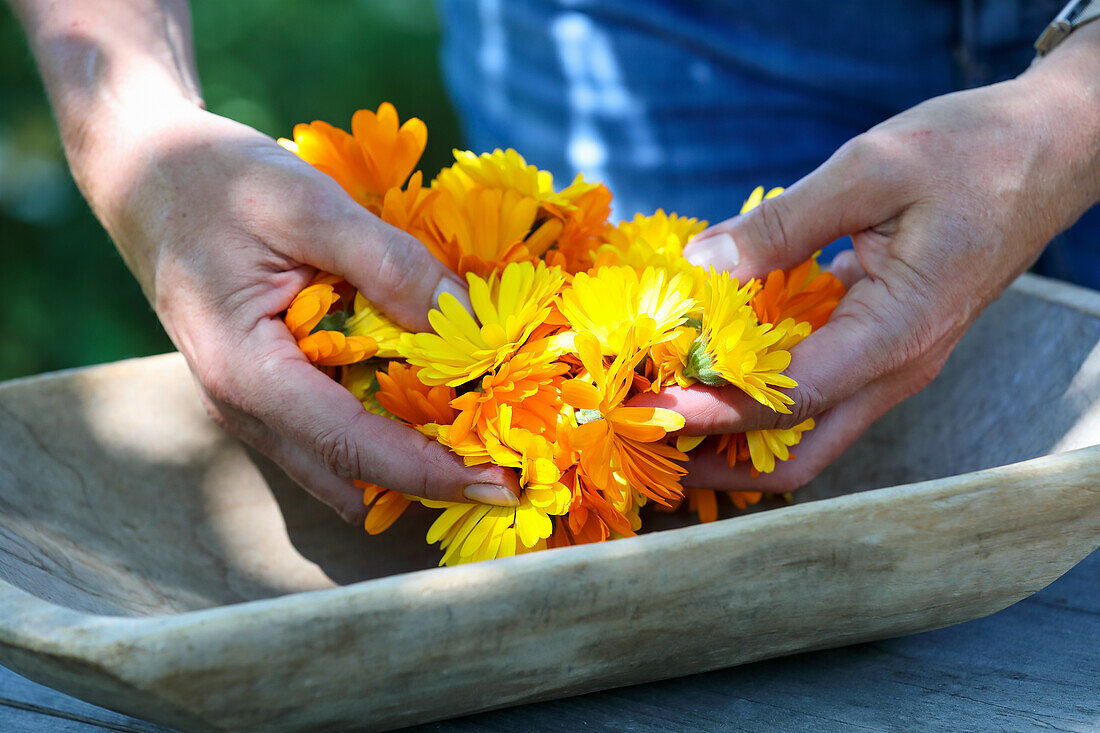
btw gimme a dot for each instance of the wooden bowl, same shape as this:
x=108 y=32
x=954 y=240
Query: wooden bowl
x=156 y=567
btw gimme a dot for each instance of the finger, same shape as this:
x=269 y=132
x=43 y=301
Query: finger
x=296 y=400
x=390 y=267
x=339 y=493
x=873 y=332
x=847 y=194
x=833 y=434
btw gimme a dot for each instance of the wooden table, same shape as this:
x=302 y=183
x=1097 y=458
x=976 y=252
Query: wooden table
x=1033 y=666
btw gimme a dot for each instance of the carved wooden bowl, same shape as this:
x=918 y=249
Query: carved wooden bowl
x=151 y=565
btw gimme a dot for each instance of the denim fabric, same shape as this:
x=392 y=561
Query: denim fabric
x=688 y=105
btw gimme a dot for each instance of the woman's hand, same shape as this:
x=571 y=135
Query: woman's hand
x=222 y=227
x=946 y=204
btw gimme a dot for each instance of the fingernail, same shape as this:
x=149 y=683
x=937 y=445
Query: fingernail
x=718 y=250
x=490 y=494
x=455 y=288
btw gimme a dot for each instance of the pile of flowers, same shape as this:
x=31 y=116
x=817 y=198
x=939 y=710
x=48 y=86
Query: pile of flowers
x=573 y=316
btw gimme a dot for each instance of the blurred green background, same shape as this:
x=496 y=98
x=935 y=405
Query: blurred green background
x=66 y=298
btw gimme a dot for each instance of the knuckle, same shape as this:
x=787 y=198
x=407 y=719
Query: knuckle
x=338 y=452
x=767 y=228
x=432 y=463
x=808 y=402
x=400 y=266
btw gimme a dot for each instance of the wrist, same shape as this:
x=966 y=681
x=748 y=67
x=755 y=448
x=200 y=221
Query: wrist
x=1064 y=90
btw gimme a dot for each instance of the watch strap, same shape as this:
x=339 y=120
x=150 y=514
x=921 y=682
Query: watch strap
x=1074 y=15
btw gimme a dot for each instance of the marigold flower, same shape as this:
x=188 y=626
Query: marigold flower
x=763 y=447
x=474 y=532
x=584 y=226
x=505 y=170
x=485 y=229
x=368 y=320
x=509 y=305
x=324 y=347
x=591 y=516
x=360 y=380
x=529 y=382
x=734 y=348
x=804 y=294
x=408 y=208
x=611 y=436
x=386 y=506
x=375 y=157
x=402 y=392
x=609 y=303
x=664 y=234
x=669 y=359
x=757 y=196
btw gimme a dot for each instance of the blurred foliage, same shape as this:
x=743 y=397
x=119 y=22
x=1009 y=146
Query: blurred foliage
x=66 y=298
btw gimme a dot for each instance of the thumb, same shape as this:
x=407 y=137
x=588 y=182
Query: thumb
x=835 y=200
x=392 y=269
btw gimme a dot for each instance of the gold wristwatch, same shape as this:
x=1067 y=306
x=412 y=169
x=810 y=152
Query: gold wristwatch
x=1073 y=16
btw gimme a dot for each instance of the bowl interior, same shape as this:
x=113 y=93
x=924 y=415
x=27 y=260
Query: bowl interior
x=119 y=497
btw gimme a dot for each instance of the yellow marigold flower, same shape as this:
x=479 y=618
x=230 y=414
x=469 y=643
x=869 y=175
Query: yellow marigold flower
x=377 y=155
x=757 y=196
x=611 y=302
x=768 y=446
x=509 y=305
x=734 y=348
x=611 y=436
x=664 y=233
x=657 y=240
x=668 y=359
x=502 y=170
x=484 y=229
x=474 y=532
x=367 y=320
x=762 y=447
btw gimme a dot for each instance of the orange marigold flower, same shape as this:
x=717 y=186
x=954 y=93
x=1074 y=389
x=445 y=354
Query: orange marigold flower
x=386 y=506
x=308 y=308
x=613 y=437
x=408 y=208
x=804 y=294
x=332 y=348
x=530 y=382
x=402 y=393
x=486 y=228
x=324 y=347
x=584 y=227
x=377 y=155
x=591 y=517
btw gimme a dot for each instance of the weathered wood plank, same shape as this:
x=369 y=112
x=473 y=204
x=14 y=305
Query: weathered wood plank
x=29 y=706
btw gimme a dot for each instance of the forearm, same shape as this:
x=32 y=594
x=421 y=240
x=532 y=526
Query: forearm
x=110 y=66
